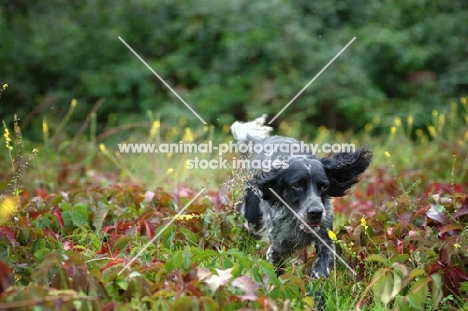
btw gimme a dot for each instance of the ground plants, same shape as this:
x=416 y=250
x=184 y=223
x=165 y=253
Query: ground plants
x=82 y=212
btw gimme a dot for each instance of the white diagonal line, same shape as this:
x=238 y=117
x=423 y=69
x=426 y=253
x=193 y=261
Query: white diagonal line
x=313 y=231
x=160 y=232
x=316 y=76
x=167 y=85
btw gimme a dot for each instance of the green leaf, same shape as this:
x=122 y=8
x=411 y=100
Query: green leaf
x=178 y=260
x=122 y=282
x=377 y=258
x=41 y=253
x=416 y=273
x=186 y=256
x=67 y=218
x=437 y=293
x=399 y=258
x=65 y=206
x=402 y=302
x=185 y=304
x=295 y=280
x=208 y=303
x=387 y=288
x=198 y=258
x=100 y=214
x=256 y=274
x=189 y=236
x=418 y=294
x=403 y=276
x=397 y=285
x=270 y=272
x=383 y=285
x=79 y=215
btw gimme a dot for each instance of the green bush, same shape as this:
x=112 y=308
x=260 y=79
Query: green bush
x=234 y=60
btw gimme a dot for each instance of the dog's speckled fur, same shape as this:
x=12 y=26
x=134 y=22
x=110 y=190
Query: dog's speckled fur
x=306 y=185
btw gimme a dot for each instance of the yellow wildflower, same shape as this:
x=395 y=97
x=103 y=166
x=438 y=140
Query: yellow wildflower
x=464 y=100
x=154 y=128
x=393 y=130
x=185 y=217
x=432 y=131
x=188 y=136
x=102 y=147
x=4 y=87
x=410 y=121
x=387 y=154
x=45 y=129
x=364 y=223
x=332 y=235
x=7 y=208
x=435 y=113
x=397 y=121
x=442 y=119
x=283 y=126
x=456 y=245
x=323 y=130
x=169 y=171
x=7 y=139
x=74 y=102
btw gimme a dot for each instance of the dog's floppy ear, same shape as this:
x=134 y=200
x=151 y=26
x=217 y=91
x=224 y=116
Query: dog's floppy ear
x=271 y=179
x=344 y=169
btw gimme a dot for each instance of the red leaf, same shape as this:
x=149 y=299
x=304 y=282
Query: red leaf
x=462 y=211
x=110 y=306
x=9 y=234
x=111 y=263
x=435 y=267
x=452 y=277
x=42 y=193
x=400 y=245
x=56 y=212
x=444 y=188
x=149 y=229
x=5 y=274
x=449 y=229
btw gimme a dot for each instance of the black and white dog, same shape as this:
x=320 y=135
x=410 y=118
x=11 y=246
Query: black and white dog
x=302 y=181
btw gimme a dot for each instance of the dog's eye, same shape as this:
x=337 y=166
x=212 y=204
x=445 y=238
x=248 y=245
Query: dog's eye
x=296 y=186
x=323 y=187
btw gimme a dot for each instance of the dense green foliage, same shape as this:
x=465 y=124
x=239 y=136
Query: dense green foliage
x=234 y=59
x=82 y=212
x=74 y=210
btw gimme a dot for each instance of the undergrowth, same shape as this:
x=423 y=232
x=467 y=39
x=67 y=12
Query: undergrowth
x=84 y=210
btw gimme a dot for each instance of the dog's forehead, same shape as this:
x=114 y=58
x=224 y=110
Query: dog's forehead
x=311 y=167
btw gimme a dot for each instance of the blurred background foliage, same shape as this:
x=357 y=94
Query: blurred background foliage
x=233 y=60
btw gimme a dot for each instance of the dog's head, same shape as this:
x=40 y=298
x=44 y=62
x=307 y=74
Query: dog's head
x=308 y=182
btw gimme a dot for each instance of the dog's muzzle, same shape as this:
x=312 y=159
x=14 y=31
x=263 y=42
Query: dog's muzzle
x=312 y=216
x=303 y=227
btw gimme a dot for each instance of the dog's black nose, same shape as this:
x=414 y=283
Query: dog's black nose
x=315 y=216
